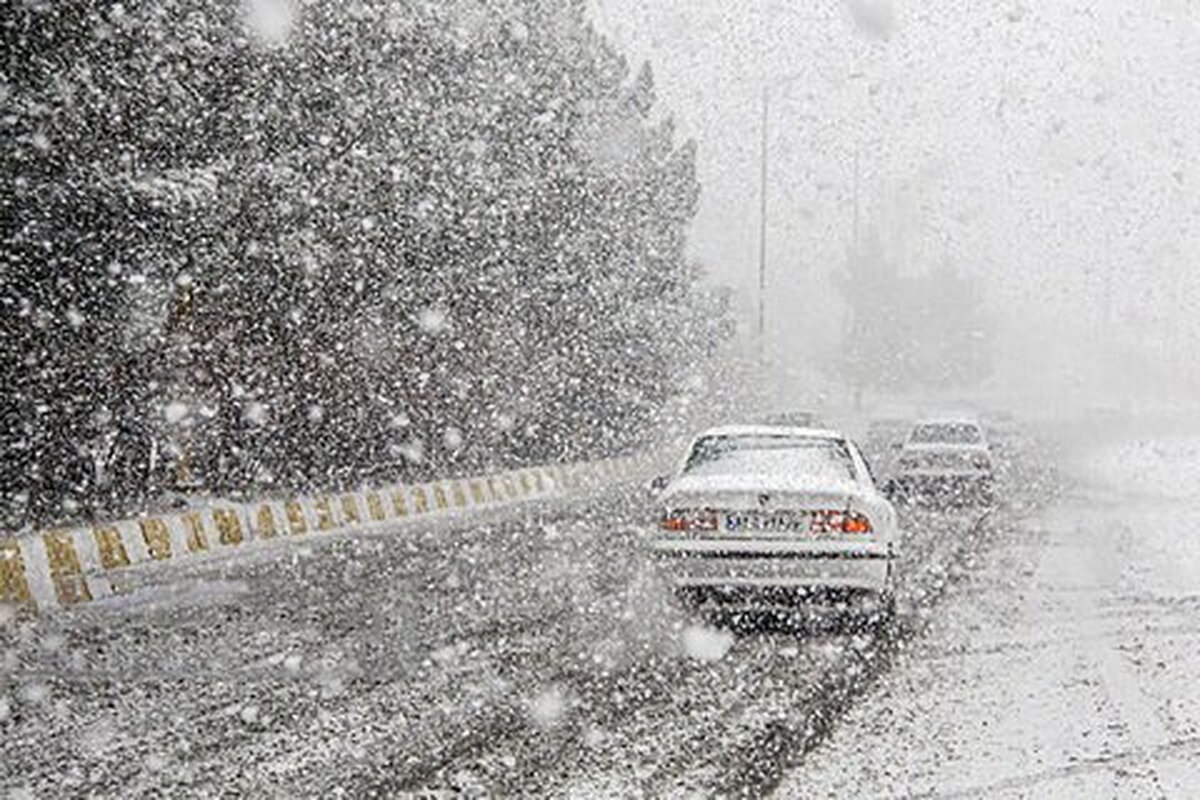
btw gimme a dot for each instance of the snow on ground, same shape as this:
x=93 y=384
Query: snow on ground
x=533 y=654
x=1066 y=668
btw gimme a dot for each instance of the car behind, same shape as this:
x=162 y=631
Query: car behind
x=944 y=462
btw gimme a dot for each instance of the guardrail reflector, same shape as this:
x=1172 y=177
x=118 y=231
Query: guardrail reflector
x=111 y=548
x=526 y=486
x=439 y=498
x=264 y=522
x=325 y=520
x=476 y=492
x=295 y=517
x=229 y=527
x=13 y=586
x=156 y=536
x=460 y=496
x=65 y=571
x=399 y=504
x=420 y=504
x=375 y=507
x=350 y=509
x=193 y=525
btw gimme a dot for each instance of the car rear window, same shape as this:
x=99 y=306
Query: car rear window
x=770 y=455
x=794 y=419
x=947 y=433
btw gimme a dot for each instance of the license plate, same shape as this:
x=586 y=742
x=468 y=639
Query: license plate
x=768 y=522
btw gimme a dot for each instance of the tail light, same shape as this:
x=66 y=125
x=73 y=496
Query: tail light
x=856 y=523
x=689 y=520
x=840 y=522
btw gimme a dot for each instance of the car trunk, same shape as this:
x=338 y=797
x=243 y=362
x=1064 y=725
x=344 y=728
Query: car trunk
x=763 y=506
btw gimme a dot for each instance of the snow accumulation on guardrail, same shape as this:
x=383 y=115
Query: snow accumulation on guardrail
x=59 y=568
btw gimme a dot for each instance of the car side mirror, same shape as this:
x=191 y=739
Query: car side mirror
x=658 y=483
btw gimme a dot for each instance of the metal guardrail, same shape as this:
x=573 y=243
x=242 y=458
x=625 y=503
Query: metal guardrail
x=62 y=568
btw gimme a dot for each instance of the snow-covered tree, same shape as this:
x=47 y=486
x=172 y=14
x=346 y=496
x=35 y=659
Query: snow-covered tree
x=337 y=242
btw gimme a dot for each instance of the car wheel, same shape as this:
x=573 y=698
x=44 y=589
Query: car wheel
x=866 y=614
x=883 y=621
x=887 y=604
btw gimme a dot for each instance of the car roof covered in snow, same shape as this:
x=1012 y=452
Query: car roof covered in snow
x=770 y=430
x=950 y=419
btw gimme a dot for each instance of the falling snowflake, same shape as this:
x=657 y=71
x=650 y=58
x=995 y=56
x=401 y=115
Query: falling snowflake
x=705 y=644
x=255 y=413
x=547 y=708
x=433 y=320
x=176 y=412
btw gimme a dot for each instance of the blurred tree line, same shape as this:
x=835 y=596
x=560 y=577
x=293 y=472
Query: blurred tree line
x=927 y=329
x=257 y=246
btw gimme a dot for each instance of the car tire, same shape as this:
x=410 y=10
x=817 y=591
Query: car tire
x=883 y=622
x=887 y=604
x=874 y=618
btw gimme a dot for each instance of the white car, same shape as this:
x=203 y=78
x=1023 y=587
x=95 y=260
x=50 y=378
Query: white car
x=769 y=517
x=945 y=460
x=793 y=419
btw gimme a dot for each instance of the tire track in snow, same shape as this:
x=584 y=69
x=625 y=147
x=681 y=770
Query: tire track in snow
x=300 y=606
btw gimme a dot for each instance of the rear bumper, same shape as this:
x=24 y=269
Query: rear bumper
x=738 y=564
x=944 y=485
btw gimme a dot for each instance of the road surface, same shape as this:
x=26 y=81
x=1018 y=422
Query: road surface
x=533 y=653
x=1066 y=665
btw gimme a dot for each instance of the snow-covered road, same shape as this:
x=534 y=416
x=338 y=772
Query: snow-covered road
x=529 y=654
x=1067 y=667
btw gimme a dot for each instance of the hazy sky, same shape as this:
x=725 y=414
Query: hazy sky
x=1049 y=146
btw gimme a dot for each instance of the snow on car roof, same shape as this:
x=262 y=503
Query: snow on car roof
x=771 y=430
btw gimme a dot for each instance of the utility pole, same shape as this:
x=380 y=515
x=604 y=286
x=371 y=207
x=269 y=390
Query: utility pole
x=857 y=215
x=762 y=230
x=875 y=23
